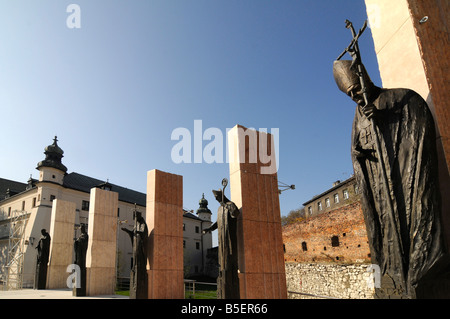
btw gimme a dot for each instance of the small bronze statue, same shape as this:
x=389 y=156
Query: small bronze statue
x=228 y=280
x=395 y=164
x=80 y=248
x=138 y=275
x=43 y=254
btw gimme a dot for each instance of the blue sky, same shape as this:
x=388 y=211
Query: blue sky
x=114 y=90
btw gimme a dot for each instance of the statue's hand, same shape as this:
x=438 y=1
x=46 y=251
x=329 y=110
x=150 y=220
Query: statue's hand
x=358 y=153
x=363 y=154
x=370 y=111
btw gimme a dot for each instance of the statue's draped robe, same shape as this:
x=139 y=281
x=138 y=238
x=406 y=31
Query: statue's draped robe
x=43 y=248
x=80 y=247
x=228 y=280
x=138 y=274
x=401 y=209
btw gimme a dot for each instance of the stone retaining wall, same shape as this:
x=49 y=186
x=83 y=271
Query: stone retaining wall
x=331 y=280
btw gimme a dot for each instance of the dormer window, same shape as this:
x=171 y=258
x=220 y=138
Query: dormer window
x=105 y=186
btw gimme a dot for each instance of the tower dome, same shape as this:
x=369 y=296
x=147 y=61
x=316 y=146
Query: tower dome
x=203 y=211
x=53 y=155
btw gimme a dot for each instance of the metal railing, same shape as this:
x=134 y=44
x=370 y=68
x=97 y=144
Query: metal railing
x=123 y=283
x=199 y=290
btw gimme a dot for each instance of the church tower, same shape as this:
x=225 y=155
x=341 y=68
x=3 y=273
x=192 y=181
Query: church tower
x=203 y=211
x=51 y=168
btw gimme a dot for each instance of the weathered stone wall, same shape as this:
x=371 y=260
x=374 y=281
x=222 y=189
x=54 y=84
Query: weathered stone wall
x=336 y=236
x=329 y=280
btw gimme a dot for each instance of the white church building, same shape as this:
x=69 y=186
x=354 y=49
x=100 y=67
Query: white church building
x=25 y=209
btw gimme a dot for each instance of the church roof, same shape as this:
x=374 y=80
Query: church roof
x=85 y=183
x=13 y=186
x=190 y=215
x=53 y=154
x=78 y=182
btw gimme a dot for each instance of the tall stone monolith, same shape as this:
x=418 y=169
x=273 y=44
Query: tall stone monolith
x=101 y=252
x=61 y=246
x=254 y=189
x=164 y=217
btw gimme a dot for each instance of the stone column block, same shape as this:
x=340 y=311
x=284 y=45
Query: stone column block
x=101 y=252
x=254 y=189
x=164 y=217
x=61 y=245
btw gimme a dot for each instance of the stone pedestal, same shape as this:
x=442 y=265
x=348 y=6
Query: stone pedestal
x=164 y=217
x=61 y=246
x=101 y=252
x=254 y=189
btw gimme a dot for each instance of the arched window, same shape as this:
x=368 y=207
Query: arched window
x=304 y=247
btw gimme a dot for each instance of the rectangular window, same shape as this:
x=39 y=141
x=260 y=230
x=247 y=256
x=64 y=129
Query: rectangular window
x=85 y=205
x=34 y=202
x=184 y=244
x=197 y=245
x=345 y=193
x=327 y=202
x=197 y=229
x=336 y=198
x=335 y=241
x=310 y=210
x=319 y=205
x=184 y=227
x=23 y=205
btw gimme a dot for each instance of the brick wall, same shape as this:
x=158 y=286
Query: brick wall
x=337 y=236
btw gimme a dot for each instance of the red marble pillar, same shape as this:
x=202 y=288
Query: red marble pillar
x=164 y=218
x=254 y=189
